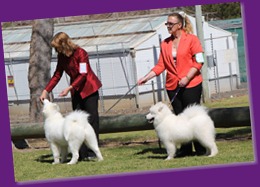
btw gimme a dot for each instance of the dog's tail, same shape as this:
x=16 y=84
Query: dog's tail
x=195 y=110
x=77 y=117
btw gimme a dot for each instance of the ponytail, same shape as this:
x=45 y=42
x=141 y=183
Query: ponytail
x=186 y=24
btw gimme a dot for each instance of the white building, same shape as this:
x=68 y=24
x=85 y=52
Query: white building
x=121 y=51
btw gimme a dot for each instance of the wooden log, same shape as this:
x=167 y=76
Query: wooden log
x=22 y=131
x=124 y=123
x=222 y=117
x=230 y=117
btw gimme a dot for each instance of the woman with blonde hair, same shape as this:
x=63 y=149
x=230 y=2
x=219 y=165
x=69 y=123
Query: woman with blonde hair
x=182 y=57
x=84 y=84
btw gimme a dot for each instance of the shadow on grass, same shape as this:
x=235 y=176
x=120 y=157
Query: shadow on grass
x=49 y=159
x=160 y=153
x=237 y=134
x=152 y=150
x=45 y=158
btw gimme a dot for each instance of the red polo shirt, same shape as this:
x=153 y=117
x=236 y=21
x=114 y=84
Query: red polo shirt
x=77 y=66
x=189 y=45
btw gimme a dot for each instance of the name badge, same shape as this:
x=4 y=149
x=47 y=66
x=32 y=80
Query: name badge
x=83 y=67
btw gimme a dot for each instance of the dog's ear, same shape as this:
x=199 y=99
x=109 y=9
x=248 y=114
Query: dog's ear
x=160 y=109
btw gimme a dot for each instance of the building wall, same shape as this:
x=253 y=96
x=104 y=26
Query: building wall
x=119 y=71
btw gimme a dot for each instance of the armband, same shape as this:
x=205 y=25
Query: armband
x=199 y=57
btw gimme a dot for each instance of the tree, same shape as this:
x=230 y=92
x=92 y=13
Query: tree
x=223 y=11
x=39 y=64
x=220 y=11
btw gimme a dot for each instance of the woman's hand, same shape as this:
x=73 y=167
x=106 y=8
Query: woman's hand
x=44 y=95
x=184 y=81
x=65 y=91
x=147 y=77
x=142 y=81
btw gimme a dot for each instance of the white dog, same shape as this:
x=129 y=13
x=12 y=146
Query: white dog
x=193 y=124
x=69 y=132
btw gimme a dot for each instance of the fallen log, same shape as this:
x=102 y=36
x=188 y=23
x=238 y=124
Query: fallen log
x=230 y=117
x=222 y=117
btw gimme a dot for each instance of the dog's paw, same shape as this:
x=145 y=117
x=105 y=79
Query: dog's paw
x=71 y=163
x=169 y=158
x=54 y=163
x=212 y=155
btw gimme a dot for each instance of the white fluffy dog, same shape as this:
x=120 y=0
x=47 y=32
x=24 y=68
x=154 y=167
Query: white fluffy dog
x=193 y=124
x=69 y=132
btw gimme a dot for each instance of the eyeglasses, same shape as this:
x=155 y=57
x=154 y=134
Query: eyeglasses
x=171 y=24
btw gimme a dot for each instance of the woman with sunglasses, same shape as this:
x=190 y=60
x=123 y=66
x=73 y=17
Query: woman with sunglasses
x=84 y=84
x=182 y=57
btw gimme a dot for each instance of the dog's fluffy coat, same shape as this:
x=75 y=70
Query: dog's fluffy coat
x=68 y=132
x=193 y=123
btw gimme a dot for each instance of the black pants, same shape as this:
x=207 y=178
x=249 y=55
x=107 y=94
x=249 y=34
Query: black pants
x=90 y=105
x=184 y=98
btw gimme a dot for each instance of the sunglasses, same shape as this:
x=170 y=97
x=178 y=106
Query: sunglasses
x=171 y=24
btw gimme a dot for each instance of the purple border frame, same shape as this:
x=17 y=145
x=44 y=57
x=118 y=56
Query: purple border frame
x=230 y=175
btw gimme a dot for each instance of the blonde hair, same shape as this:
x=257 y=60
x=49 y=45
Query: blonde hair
x=63 y=44
x=184 y=20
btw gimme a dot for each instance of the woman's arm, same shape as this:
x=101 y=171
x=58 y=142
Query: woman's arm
x=189 y=76
x=147 y=77
x=65 y=91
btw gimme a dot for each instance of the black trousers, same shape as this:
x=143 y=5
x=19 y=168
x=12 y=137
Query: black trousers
x=90 y=105
x=184 y=98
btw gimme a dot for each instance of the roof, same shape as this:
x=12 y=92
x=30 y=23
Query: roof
x=107 y=34
x=228 y=24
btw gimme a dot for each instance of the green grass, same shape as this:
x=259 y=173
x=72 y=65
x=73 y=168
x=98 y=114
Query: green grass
x=36 y=164
x=229 y=102
x=138 y=152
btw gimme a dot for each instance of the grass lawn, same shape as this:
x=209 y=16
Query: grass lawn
x=137 y=152
x=36 y=164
